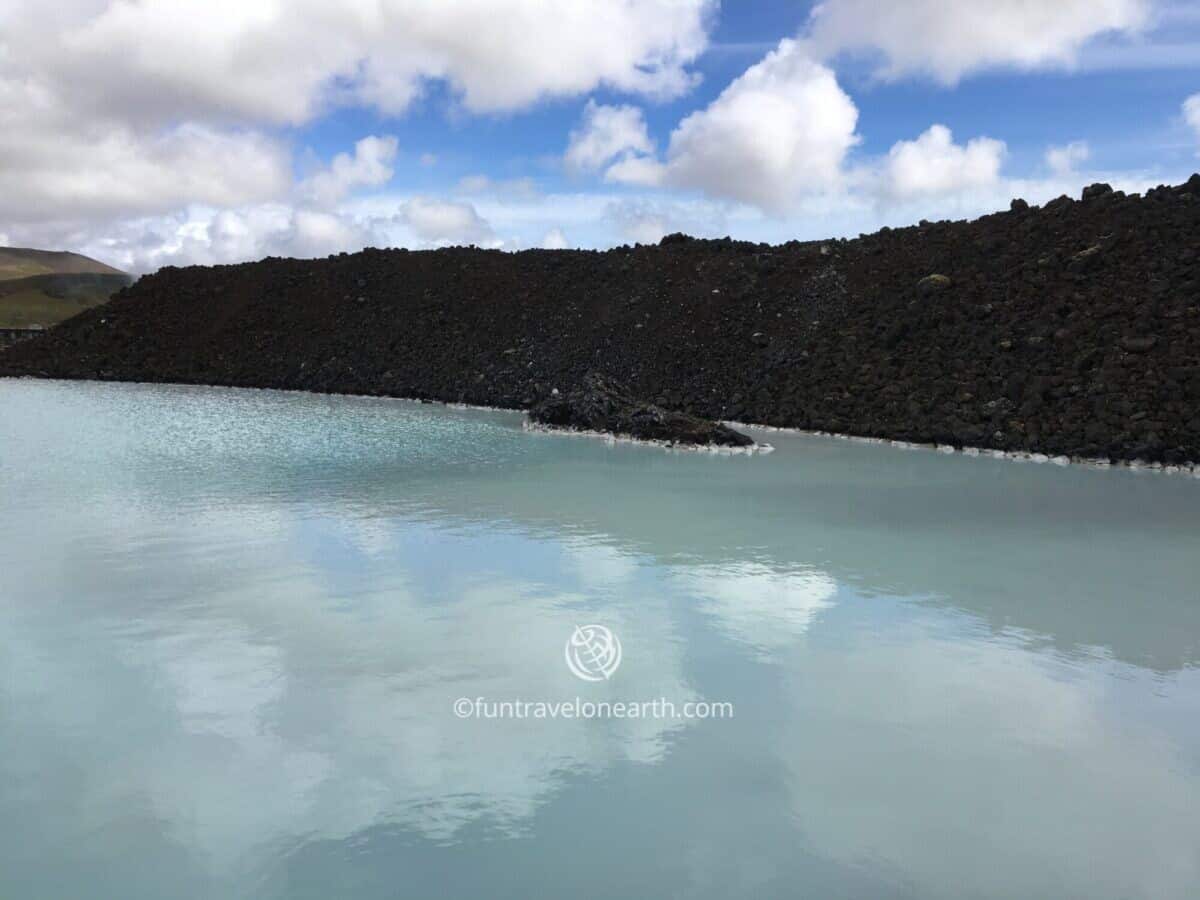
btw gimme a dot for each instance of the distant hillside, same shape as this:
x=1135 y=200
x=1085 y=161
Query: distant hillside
x=44 y=287
x=19 y=262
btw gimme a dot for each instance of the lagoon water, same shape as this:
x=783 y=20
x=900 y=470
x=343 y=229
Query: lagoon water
x=234 y=625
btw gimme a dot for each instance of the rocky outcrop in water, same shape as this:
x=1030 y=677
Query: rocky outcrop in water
x=600 y=404
x=1071 y=328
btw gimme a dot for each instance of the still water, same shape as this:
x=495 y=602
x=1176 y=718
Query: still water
x=234 y=626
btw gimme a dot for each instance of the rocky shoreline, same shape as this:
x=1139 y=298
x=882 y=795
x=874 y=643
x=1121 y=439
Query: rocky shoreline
x=1070 y=330
x=600 y=405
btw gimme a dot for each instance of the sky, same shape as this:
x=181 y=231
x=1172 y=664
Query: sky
x=173 y=132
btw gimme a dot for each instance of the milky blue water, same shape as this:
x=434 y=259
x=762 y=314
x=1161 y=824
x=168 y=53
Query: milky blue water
x=234 y=625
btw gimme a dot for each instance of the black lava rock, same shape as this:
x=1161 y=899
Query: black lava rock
x=827 y=336
x=934 y=284
x=600 y=404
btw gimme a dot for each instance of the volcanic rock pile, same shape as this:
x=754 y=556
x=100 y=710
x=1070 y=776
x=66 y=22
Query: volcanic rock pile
x=603 y=405
x=1073 y=328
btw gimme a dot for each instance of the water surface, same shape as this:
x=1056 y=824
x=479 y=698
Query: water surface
x=233 y=626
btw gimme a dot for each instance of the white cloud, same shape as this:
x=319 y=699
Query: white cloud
x=205 y=236
x=645 y=171
x=113 y=110
x=1191 y=113
x=645 y=220
x=303 y=220
x=646 y=229
x=1062 y=160
x=370 y=166
x=934 y=165
x=286 y=62
x=554 y=239
x=511 y=188
x=445 y=221
x=607 y=132
x=152 y=131
x=55 y=164
x=312 y=233
x=639 y=222
x=780 y=129
x=947 y=40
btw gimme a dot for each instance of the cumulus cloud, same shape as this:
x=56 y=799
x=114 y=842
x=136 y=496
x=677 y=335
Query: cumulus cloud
x=156 y=129
x=114 y=111
x=222 y=58
x=642 y=226
x=642 y=220
x=1063 y=160
x=934 y=165
x=645 y=171
x=445 y=221
x=607 y=132
x=782 y=128
x=202 y=235
x=369 y=166
x=313 y=233
x=1191 y=113
x=947 y=40
x=554 y=239
x=205 y=236
x=303 y=221
x=56 y=165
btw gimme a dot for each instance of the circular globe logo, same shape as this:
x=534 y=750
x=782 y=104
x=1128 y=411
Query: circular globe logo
x=593 y=652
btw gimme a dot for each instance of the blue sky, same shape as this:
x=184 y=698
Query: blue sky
x=177 y=131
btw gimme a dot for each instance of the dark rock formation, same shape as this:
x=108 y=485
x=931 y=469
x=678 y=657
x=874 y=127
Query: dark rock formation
x=1099 y=189
x=1040 y=344
x=600 y=404
x=9 y=336
x=934 y=284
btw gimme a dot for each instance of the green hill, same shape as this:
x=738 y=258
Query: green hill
x=44 y=287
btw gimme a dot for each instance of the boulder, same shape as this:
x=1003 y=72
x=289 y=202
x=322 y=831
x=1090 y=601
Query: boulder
x=1099 y=189
x=933 y=284
x=1085 y=259
x=677 y=237
x=601 y=404
x=1139 y=344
